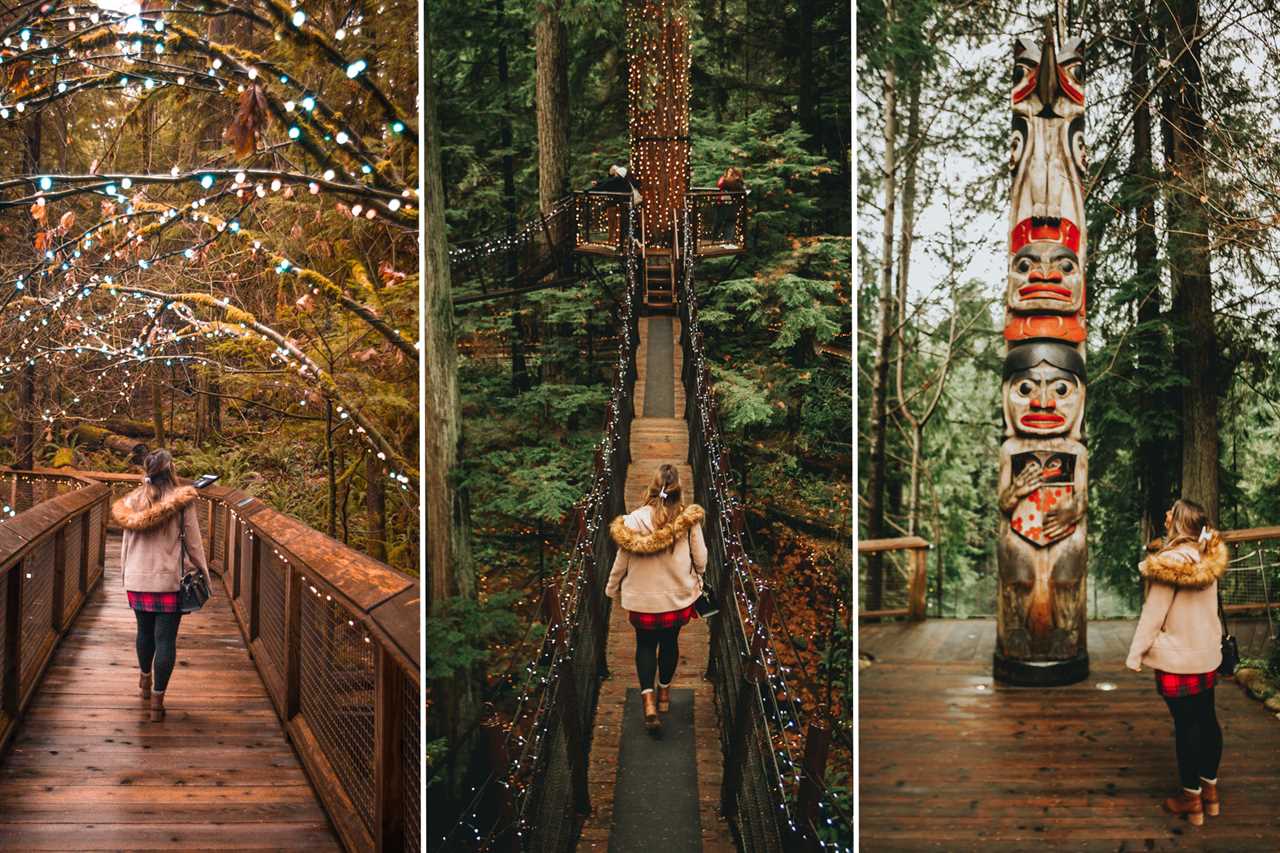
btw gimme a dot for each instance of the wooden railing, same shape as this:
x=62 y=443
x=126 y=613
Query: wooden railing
x=916 y=587
x=51 y=558
x=719 y=221
x=334 y=635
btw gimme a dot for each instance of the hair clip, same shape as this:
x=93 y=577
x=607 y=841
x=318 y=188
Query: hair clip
x=662 y=493
x=1205 y=535
x=146 y=479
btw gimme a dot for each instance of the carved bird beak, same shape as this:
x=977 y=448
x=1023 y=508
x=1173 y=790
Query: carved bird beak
x=1047 y=78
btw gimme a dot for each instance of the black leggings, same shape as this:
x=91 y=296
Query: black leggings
x=657 y=650
x=158 y=641
x=1198 y=737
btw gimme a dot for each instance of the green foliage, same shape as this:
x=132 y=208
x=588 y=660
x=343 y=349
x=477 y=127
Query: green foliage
x=461 y=632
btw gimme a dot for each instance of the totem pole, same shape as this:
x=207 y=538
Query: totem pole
x=1043 y=482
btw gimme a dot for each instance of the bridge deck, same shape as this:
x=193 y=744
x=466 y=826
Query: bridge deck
x=89 y=771
x=950 y=761
x=655 y=439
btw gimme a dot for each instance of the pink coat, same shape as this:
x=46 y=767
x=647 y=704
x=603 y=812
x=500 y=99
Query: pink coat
x=150 y=551
x=1179 y=630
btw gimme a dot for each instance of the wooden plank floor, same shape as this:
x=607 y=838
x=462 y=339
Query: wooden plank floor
x=89 y=771
x=950 y=761
x=654 y=441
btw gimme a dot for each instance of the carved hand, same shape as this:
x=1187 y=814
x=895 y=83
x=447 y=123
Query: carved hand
x=1024 y=484
x=1058 y=521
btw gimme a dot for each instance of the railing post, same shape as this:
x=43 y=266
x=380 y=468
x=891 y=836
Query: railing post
x=292 y=641
x=505 y=839
x=236 y=528
x=11 y=678
x=817 y=743
x=917 y=588
x=255 y=583
x=59 y=578
x=388 y=775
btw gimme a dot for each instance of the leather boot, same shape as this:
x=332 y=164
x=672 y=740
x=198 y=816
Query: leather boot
x=651 y=721
x=1186 y=804
x=157 y=707
x=144 y=685
x=664 y=699
x=1209 y=797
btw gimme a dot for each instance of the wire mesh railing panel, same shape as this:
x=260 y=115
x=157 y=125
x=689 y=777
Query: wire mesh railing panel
x=411 y=762
x=4 y=628
x=1250 y=592
x=600 y=220
x=37 y=605
x=549 y=815
x=336 y=691
x=95 y=568
x=71 y=592
x=247 y=568
x=271 y=605
x=719 y=220
x=895 y=580
x=219 y=543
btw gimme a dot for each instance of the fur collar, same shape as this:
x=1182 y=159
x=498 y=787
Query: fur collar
x=154 y=515
x=658 y=540
x=1172 y=567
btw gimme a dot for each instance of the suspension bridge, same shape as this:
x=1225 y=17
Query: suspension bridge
x=293 y=713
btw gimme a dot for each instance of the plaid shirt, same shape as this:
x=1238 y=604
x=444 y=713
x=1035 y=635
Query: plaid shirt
x=1171 y=685
x=658 y=621
x=153 y=602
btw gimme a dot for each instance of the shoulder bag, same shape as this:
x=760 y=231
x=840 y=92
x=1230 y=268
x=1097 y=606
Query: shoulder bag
x=193 y=590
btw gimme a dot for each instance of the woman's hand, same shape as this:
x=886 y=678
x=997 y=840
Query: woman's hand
x=1134 y=664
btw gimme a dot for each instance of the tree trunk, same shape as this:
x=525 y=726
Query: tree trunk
x=24 y=450
x=1155 y=466
x=880 y=375
x=375 y=504
x=157 y=408
x=519 y=371
x=448 y=554
x=551 y=41
x=330 y=471
x=1188 y=247
x=904 y=269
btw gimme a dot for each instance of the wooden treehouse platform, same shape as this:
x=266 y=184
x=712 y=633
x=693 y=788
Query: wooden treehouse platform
x=950 y=761
x=658 y=434
x=89 y=771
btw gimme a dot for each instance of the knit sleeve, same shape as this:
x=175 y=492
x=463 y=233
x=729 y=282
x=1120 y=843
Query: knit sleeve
x=698 y=549
x=1154 y=609
x=619 y=571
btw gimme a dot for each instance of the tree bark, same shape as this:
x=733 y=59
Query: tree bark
x=1189 y=253
x=904 y=269
x=880 y=375
x=375 y=504
x=24 y=450
x=1155 y=466
x=448 y=554
x=519 y=370
x=552 y=54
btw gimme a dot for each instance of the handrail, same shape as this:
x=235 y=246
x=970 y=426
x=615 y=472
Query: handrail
x=334 y=636
x=51 y=558
x=548 y=736
x=917 y=587
x=757 y=710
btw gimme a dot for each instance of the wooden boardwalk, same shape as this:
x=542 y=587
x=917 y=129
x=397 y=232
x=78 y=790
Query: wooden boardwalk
x=89 y=771
x=950 y=761
x=655 y=440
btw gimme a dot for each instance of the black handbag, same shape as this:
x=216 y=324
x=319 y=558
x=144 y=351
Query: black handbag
x=707 y=604
x=193 y=589
x=1230 y=650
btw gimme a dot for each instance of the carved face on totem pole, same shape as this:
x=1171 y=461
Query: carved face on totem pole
x=1046 y=288
x=1044 y=390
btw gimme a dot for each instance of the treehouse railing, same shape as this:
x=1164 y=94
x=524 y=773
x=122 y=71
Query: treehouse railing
x=773 y=798
x=334 y=635
x=51 y=558
x=899 y=585
x=719 y=221
x=534 y=794
x=1251 y=588
x=600 y=219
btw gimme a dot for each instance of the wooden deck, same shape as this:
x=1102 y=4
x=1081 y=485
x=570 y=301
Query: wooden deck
x=654 y=441
x=950 y=761
x=89 y=771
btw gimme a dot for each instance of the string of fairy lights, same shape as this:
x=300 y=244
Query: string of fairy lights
x=82 y=298
x=489 y=245
x=658 y=92
x=530 y=726
x=747 y=587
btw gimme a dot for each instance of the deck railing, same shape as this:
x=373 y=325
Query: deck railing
x=51 y=558
x=334 y=635
x=1251 y=588
x=719 y=221
x=600 y=220
x=900 y=584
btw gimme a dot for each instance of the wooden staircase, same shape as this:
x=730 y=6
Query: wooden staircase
x=659 y=269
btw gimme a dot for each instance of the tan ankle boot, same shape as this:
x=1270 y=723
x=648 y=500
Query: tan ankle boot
x=664 y=699
x=1186 y=804
x=144 y=685
x=650 y=702
x=157 y=706
x=1209 y=798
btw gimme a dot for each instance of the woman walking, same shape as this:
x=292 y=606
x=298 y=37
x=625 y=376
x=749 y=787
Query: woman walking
x=658 y=572
x=1180 y=637
x=153 y=557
